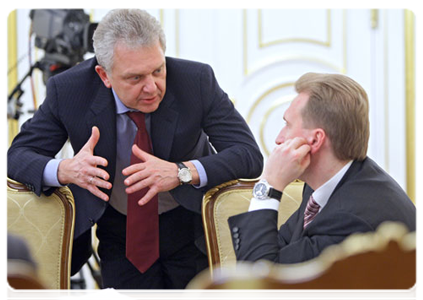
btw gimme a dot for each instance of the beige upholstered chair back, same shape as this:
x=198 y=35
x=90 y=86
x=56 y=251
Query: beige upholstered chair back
x=233 y=198
x=384 y=259
x=46 y=224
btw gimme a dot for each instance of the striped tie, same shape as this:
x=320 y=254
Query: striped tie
x=311 y=211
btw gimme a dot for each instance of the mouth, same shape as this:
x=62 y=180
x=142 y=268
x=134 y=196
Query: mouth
x=149 y=100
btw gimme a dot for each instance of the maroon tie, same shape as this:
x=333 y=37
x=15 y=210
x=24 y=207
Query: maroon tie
x=311 y=211
x=142 y=224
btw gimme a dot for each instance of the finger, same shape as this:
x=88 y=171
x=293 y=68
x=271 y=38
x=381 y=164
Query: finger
x=304 y=154
x=133 y=169
x=96 y=192
x=95 y=181
x=303 y=150
x=93 y=140
x=148 y=196
x=139 y=185
x=102 y=174
x=298 y=142
x=98 y=161
x=135 y=177
x=144 y=156
x=92 y=171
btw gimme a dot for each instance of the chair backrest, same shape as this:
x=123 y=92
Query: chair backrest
x=385 y=259
x=46 y=223
x=21 y=282
x=233 y=198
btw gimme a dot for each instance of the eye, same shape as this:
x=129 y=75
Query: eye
x=158 y=71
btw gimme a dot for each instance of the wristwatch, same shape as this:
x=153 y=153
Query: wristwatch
x=263 y=191
x=184 y=174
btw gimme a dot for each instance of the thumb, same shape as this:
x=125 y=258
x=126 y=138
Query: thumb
x=141 y=154
x=93 y=140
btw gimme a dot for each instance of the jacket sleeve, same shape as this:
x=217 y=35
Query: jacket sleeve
x=259 y=237
x=38 y=141
x=238 y=155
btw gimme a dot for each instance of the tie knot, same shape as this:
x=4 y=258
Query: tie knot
x=311 y=211
x=138 y=118
x=312 y=205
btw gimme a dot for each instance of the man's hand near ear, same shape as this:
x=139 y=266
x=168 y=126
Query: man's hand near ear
x=287 y=162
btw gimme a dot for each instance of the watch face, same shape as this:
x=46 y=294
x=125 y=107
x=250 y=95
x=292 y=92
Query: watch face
x=260 y=191
x=185 y=175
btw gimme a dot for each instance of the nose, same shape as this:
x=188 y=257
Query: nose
x=149 y=85
x=280 y=139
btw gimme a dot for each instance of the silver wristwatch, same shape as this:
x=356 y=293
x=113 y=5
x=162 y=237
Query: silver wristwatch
x=184 y=174
x=263 y=191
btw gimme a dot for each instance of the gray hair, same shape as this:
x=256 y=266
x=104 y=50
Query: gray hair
x=133 y=27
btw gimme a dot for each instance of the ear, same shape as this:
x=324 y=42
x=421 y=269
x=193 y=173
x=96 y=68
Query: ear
x=316 y=139
x=103 y=75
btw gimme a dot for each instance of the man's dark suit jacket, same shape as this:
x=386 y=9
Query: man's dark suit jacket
x=194 y=112
x=364 y=198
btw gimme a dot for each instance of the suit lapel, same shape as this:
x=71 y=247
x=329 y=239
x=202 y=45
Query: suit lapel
x=163 y=126
x=299 y=231
x=102 y=113
x=308 y=191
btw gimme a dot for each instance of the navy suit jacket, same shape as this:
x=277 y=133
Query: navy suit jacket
x=194 y=113
x=364 y=198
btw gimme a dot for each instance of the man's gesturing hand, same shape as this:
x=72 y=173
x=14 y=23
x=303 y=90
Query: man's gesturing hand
x=83 y=170
x=155 y=173
x=287 y=162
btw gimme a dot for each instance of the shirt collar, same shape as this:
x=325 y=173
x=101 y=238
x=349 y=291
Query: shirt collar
x=120 y=107
x=322 y=194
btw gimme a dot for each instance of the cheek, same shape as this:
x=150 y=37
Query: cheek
x=161 y=85
x=132 y=91
x=129 y=93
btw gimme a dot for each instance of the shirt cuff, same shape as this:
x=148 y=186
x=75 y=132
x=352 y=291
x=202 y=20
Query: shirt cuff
x=50 y=173
x=201 y=173
x=256 y=204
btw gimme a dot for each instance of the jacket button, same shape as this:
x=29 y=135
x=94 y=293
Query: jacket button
x=235 y=229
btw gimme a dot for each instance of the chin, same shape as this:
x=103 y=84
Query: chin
x=149 y=108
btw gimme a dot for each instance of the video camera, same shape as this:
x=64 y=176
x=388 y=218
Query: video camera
x=64 y=34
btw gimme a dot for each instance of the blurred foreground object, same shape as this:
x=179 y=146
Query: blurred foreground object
x=385 y=259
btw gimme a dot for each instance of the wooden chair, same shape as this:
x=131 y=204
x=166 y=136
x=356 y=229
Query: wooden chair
x=233 y=198
x=385 y=259
x=46 y=223
x=21 y=283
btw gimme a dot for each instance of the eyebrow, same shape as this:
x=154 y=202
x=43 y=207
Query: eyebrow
x=128 y=75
